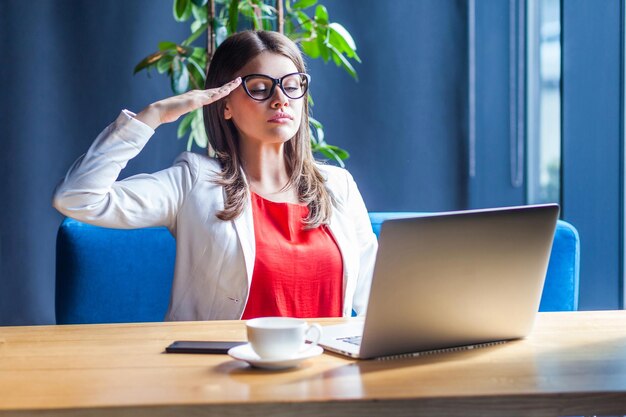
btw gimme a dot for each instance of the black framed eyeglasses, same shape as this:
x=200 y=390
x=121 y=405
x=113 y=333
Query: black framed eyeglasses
x=260 y=87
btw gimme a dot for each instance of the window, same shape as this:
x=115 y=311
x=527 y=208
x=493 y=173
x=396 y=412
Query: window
x=544 y=101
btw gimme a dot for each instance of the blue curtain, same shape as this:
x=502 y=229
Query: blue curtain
x=67 y=72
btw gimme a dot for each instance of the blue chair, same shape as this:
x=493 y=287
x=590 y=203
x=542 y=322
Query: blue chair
x=112 y=275
x=115 y=276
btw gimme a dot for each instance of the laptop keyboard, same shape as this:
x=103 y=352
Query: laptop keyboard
x=354 y=340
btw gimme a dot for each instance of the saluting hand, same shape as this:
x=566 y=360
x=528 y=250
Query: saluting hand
x=170 y=109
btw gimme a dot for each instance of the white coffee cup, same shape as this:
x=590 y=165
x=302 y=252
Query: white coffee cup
x=281 y=337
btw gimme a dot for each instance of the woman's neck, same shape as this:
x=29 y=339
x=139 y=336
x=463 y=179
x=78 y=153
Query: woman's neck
x=267 y=172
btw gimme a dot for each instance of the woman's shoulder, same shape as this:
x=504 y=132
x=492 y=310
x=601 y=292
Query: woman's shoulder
x=337 y=180
x=333 y=174
x=200 y=165
x=332 y=171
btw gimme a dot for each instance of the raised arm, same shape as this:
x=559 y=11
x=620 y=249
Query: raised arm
x=90 y=191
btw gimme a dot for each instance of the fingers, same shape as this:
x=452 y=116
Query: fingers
x=170 y=109
x=214 y=94
x=174 y=107
x=231 y=85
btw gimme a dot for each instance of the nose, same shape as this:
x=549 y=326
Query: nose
x=279 y=98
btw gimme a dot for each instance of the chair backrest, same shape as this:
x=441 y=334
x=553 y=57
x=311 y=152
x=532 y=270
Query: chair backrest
x=114 y=276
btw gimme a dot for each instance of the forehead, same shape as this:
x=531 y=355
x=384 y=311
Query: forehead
x=269 y=63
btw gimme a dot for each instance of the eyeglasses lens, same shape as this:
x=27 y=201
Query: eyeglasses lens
x=260 y=87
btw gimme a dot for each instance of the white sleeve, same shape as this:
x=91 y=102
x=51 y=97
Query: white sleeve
x=91 y=193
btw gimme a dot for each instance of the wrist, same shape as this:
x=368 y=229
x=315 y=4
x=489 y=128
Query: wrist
x=150 y=116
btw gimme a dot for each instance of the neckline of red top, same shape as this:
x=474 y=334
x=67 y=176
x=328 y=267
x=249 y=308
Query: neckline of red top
x=255 y=195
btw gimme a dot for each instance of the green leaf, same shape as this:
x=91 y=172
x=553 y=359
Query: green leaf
x=267 y=10
x=319 y=133
x=246 y=9
x=288 y=27
x=255 y=20
x=200 y=13
x=321 y=15
x=180 y=76
x=190 y=141
x=200 y=138
x=196 y=72
x=148 y=61
x=184 y=125
x=196 y=64
x=341 y=153
x=233 y=15
x=341 y=43
x=166 y=45
x=269 y=17
x=199 y=57
x=314 y=144
x=164 y=64
x=199 y=3
x=331 y=155
x=201 y=30
x=197 y=126
x=316 y=123
x=344 y=35
x=336 y=56
x=343 y=62
x=184 y=50
x=199 y=53
x=334 y=153
x=303 y=4
x=182 y=10
x=267 y=23
x=322 y=45
x=220 y=35
x=195 y=26
x=304 y=20
x=311 y=48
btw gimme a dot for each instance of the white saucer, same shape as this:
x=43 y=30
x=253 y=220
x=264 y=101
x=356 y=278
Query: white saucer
x=246 y=354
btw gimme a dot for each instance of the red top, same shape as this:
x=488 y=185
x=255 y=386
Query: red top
x=297 y=272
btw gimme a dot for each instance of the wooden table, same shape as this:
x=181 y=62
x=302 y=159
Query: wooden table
x=572 y=364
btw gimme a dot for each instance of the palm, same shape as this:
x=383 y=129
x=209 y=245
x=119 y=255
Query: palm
x=170 y=109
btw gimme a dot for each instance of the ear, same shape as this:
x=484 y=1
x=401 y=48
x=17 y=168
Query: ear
x=227 y=113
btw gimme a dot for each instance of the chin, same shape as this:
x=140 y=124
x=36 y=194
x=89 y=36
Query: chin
x=283 y=134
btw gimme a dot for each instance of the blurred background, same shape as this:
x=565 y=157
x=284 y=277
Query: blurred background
x=459 y=104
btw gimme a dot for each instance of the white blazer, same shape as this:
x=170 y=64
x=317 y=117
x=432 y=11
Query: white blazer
x=214 y=258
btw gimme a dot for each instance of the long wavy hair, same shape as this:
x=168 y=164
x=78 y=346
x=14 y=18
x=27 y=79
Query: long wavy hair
x=232 y=55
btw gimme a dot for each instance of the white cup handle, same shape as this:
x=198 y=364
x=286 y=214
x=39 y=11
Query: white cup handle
x=317 y=330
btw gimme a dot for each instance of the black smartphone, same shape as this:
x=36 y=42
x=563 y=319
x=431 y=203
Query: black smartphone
x=193 y=346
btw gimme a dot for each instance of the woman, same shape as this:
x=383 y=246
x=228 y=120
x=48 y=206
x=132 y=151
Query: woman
x=260 y=229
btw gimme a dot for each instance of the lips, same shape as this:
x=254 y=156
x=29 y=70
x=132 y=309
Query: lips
x=280 y=118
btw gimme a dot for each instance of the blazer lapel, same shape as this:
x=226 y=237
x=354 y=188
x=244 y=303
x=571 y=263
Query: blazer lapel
x=244 y=225
x=343 y=242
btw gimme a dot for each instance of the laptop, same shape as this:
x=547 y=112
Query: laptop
x=453 y=280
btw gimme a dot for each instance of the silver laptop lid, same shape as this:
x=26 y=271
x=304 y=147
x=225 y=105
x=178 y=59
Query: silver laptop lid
x=457 y=278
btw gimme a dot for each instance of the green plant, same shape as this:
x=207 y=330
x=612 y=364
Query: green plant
x=185 y=63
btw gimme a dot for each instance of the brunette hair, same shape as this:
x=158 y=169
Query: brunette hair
x=232 y=55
